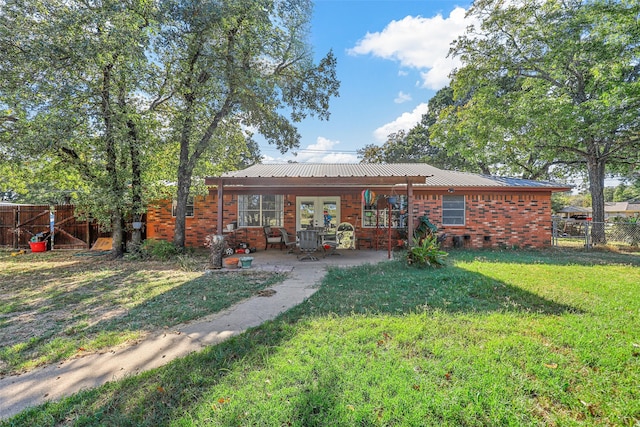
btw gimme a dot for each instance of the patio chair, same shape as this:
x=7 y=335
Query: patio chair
x=329 y=243
x=271 y=237
x=308 y=243
x=286 y=240
x=345 y=236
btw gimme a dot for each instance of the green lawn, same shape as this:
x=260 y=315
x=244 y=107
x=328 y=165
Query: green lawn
x=494 y=338
x=57 y=305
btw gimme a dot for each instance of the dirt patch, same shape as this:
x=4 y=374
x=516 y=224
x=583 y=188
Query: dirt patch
x=53 y=303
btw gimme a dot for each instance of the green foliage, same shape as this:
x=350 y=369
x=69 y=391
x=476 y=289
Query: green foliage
x=426 y=253
x=625 y=193
x=546 y=88
x=124 y=95
x=559 y=201
x=162 y=250
x=626 y=230
x=416 y=146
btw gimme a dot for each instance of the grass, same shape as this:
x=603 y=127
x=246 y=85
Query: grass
x=494 y=338
x=58 y=305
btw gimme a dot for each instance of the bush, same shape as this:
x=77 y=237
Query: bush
x=159 y=249
x=426 y=253
x=626 y=230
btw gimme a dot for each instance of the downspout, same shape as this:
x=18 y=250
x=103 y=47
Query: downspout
x=220 y=205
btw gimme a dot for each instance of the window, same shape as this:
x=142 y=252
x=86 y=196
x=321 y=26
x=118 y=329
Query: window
x=189 y=210
x=374 y=216
x=453 y=210
x=255 y=210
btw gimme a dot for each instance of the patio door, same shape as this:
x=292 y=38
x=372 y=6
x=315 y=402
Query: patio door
x=317 y=212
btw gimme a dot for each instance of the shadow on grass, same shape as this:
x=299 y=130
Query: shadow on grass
x=108 y=297
x=162 y=396
x=158 y=397
x=395 y=289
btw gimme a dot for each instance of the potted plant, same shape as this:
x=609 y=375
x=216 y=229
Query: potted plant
x=231 y=262
x=246 y=261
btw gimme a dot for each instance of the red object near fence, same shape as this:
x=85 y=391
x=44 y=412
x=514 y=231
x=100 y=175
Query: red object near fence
x=38 y=246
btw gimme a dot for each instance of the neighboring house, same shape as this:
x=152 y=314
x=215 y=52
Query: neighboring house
x=473 y=210
x=621 y=209
x=611 y=210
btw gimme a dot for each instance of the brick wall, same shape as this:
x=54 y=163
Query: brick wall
x=493 y=219
x=160 y=222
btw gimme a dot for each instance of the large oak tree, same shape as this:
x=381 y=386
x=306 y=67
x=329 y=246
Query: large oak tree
x=69 y=95
x=243 y=63
x=124 y=93
x=550 y=82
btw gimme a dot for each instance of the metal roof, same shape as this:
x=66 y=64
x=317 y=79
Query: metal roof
x=434 y=177
x=335 y=170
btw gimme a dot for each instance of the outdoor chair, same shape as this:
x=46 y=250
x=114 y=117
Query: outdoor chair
x=329 y=244
x=308 y=244
x=286 y=240
x=271 y=237
x=345 y=236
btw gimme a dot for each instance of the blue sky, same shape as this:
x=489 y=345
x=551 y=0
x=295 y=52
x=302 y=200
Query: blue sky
x=391 y=59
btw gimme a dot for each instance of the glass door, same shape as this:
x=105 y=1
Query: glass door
x=318 y=212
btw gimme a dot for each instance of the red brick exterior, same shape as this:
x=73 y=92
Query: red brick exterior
x=493 y=219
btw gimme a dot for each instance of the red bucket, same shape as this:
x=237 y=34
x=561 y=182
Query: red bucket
x=38 y=246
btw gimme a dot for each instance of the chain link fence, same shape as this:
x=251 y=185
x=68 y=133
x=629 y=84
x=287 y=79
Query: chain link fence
x=620 y=232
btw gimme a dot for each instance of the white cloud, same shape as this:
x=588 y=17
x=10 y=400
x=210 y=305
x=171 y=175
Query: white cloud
x=322 y=151
x=418 y=43
x=405 y=122
x=402 y=97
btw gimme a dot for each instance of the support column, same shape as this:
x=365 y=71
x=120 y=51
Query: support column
x=409 y=212
x=220 y=206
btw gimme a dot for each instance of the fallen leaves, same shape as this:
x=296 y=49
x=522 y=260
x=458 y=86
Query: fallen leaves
x=220 y=403
x=266 y=293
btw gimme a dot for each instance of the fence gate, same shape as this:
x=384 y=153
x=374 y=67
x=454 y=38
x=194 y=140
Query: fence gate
x=19 y=223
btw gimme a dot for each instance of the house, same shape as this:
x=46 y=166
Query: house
x=611 y=210
x=473 y=210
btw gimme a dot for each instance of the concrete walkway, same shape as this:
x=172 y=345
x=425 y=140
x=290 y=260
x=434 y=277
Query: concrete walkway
x=54 y=382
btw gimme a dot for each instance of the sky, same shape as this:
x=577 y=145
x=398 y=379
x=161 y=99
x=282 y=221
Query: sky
x=392 y=57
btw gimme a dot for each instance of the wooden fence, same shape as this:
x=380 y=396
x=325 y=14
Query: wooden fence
x=19 y=223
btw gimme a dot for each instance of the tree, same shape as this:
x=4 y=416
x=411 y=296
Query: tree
x=120 y=92
x=71 y=73
x=232 y=65
x=415 y=146
x=554 y=81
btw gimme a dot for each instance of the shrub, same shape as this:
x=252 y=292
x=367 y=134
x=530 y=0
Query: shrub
x=426 y=252
x=626 y=230
x=159 y=249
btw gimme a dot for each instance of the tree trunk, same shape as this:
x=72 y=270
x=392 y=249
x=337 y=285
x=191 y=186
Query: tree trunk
x=596 y=170
x=216 y=244
x=137 y=207
x=116 y=233
x=112 y=160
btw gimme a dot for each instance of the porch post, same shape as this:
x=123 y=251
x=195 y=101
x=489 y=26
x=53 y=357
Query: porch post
x=409 y=212
x=220 y=205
